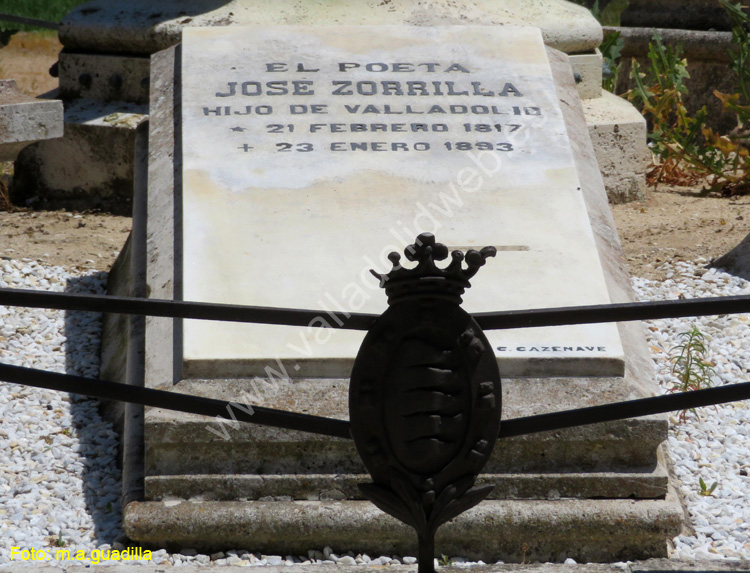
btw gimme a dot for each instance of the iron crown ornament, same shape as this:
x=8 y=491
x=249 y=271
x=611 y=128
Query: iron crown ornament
x=425 y=395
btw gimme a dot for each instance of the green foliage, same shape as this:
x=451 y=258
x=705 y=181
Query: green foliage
x=607 y=12
x=49 y=10
x=686 y=147
x=707 y=490
x=689 y=364
x=444 y=561
x=740 y=59
x=611 y=48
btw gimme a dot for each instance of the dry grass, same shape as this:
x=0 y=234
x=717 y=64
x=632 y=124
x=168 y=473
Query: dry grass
x=6 y=174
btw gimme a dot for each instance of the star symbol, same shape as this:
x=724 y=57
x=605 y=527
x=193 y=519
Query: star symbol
x=238 y=128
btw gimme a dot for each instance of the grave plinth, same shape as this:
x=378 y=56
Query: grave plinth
x=25 y=120
x=285 y=162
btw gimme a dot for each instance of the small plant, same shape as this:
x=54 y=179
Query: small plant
x=60 y=541
x=444 y=560
x=611 y=48
x=659 y=93
x=525 y=549
x=705 y=490
x=689 y=364
x=687 y=150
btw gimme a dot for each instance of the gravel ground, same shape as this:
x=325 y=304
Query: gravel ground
x=59 y=484
x=712 y=443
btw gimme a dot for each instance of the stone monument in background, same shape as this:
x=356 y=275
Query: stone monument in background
x=104 y=82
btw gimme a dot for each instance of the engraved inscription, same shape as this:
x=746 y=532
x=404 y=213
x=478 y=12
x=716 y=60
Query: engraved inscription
x=445 y=102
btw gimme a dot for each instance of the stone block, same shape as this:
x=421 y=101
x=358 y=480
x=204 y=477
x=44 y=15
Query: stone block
x=618 y=133
x=513 y=531
x=681 y=14
x=337 y=486
x=587 y=70
x=25 y=120
x=178 y=443
x=104 y=77
x=90 y=168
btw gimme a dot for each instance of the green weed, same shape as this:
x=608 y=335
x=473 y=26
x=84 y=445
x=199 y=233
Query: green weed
x=705 y=490
x=687 y=149
x=610 y=49
x=689 y=364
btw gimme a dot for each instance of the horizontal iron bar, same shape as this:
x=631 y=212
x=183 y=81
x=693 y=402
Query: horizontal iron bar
x=623 y=410
x=621 y=312
x=502 y=320
x=28 y=21
x=183 y=309
x=175 y=401
x=340 y=428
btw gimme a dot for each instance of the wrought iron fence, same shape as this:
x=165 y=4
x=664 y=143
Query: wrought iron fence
x=413 y=499
x=623 y=312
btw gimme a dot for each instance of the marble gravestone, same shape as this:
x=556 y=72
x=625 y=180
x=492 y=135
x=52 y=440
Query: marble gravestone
x=284 y=163
x=300 y=173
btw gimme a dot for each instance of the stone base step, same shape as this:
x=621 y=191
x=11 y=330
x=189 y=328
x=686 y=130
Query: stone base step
x=183 y=444
x=319 y=487
x=91 y=167
x=511 y=530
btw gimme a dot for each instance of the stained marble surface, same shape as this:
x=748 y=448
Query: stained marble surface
x=310 y=153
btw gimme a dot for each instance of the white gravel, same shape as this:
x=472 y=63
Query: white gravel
x=59 y=484
x=711 y=444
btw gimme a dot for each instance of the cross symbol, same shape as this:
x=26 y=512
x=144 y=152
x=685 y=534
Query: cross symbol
x=245 y=147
